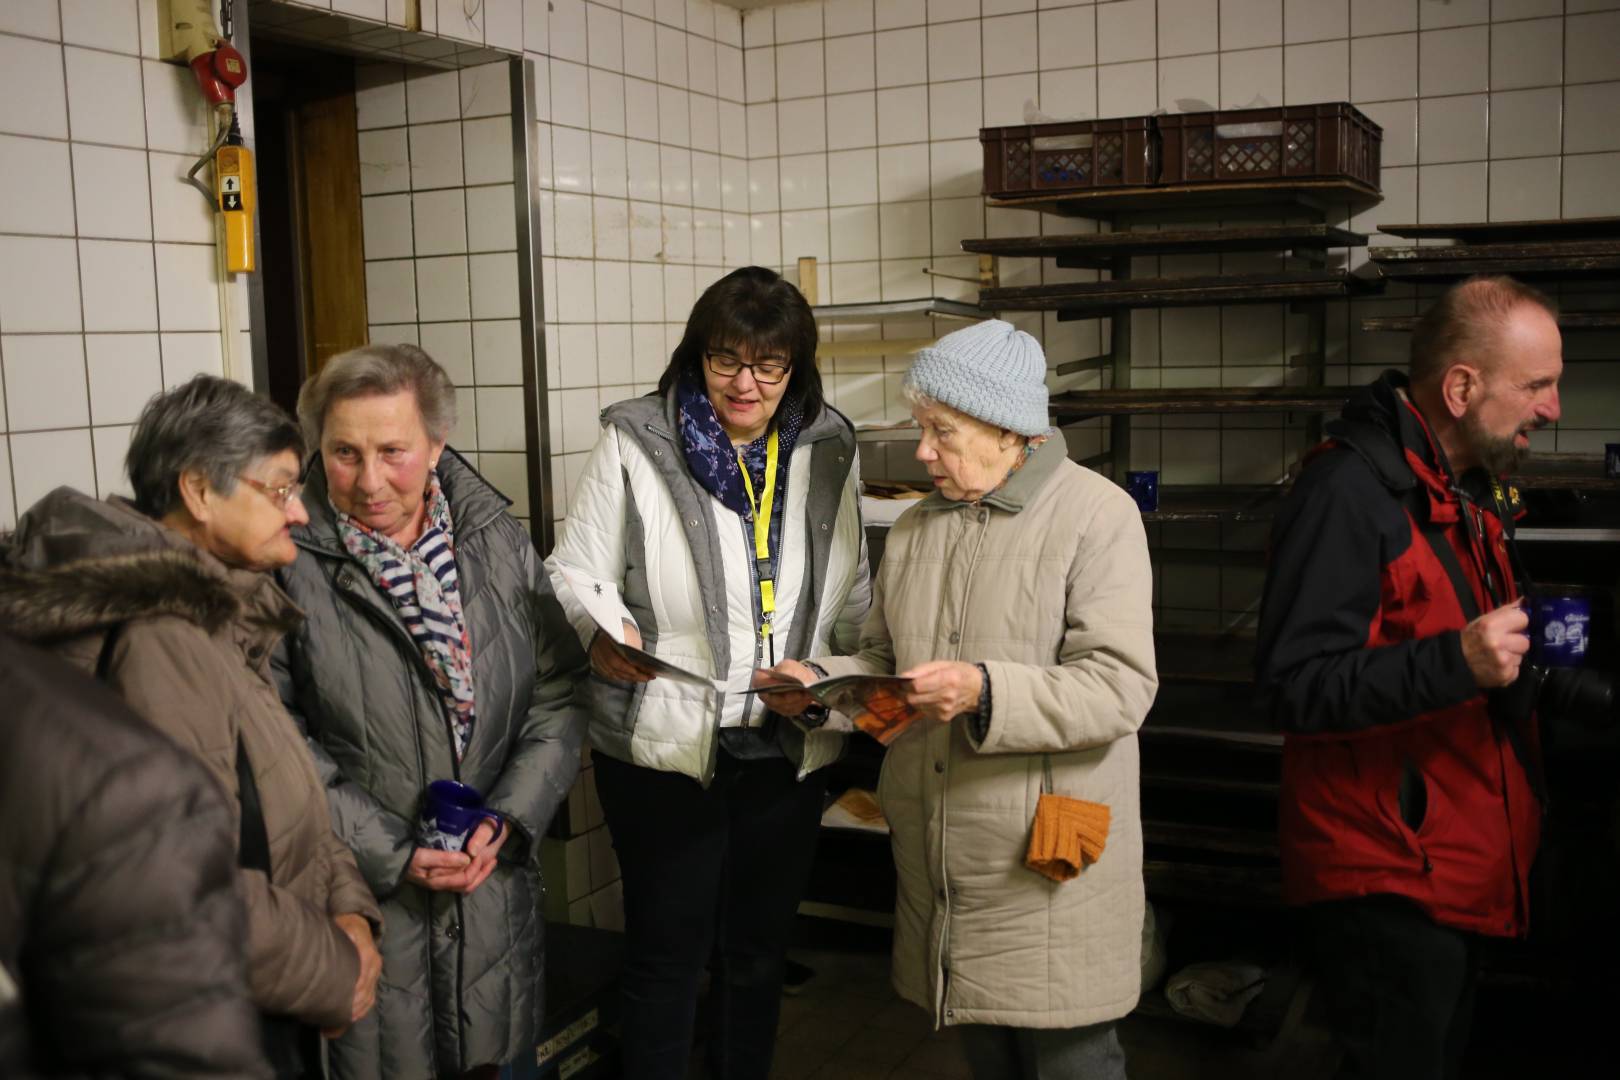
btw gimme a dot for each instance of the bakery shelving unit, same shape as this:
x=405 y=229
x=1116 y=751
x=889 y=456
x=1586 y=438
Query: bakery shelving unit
x=1113 y=252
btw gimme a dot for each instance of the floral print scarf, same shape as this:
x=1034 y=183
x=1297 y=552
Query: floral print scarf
x=711 y=457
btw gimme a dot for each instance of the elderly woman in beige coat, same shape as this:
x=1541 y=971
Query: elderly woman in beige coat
x=1017 y=597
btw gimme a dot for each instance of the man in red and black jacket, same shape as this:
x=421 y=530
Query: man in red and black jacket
x=1409 y=813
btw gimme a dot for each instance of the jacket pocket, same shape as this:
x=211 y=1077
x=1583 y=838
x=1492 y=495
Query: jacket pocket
x=1406 y=805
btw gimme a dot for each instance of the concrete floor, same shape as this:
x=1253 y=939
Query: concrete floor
x=847 y=1024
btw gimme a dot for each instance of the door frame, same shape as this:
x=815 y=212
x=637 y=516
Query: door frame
x=543 y=504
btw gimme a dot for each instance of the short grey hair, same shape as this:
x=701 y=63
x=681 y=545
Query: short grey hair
x=373 y=370
x=914 y=397
x=213 y=425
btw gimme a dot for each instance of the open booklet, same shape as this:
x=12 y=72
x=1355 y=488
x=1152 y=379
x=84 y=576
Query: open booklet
x=876 y=703
x=601 y=602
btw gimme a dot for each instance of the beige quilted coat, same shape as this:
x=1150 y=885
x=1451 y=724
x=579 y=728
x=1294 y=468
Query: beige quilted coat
x=1047 y=582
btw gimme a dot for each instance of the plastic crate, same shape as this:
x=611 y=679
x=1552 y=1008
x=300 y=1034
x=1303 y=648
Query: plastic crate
x=1077 y=155
x=1322 y=142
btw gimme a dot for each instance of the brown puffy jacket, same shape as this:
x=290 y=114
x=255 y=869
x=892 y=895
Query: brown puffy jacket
x=192 y=657
x=120 y=927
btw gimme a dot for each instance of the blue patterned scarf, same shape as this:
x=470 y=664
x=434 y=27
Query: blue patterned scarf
x=710 y=455
x=422 y=584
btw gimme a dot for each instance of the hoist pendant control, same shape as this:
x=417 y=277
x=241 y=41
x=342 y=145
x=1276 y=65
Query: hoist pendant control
x=233 y=186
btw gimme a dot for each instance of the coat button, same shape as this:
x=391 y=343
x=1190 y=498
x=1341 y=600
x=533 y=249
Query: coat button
x=840 y=459
x=824 y=526
x=453 y=932
x=939 y=766
x=955 y=637
x=950 y=1014
x=658 y=453
x=692 y=524
x=713 y=608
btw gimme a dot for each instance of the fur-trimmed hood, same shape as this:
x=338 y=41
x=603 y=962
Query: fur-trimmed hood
x=78 y=565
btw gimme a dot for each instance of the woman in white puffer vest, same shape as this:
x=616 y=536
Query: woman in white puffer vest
x=723 y=514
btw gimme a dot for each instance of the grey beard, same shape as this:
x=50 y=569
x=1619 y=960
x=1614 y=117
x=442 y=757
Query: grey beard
x=1497 y=456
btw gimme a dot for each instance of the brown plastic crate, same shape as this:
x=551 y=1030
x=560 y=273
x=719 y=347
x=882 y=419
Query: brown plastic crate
x=1075 y=155
x=1326 y=141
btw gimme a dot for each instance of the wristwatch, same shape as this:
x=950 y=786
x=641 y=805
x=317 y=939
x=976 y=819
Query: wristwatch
x=816 y=714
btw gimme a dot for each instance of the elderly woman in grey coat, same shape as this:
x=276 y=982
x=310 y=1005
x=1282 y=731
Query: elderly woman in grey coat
x=1017 y=597
x=432 y=649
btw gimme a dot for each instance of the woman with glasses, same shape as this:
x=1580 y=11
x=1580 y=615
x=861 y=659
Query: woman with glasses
x=168 y=598
x=718 y=520
x=432 y=650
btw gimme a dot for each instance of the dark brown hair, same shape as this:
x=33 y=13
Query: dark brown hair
x=1466 y=321
x=757 y=308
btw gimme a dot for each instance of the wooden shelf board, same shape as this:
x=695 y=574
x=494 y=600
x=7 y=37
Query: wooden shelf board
x=1575 y=258
x=1223 y=839
x=1526 y=250
x=1213 y=785
x=1485 y=232
x=1105 y=202
x=1569 y=320
x=1185 y=656
x=1237 y=886
x=1210 y=503
x=1106 y=296
x=1565 y=472
x=1084 y=403
x=1103 y=247
x=1573 y=535
x=885 y=433
x=924 y=307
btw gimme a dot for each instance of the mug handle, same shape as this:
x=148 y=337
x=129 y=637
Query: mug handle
x=499 y=820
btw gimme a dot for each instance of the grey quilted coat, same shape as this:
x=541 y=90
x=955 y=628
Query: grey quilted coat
x=461 y=980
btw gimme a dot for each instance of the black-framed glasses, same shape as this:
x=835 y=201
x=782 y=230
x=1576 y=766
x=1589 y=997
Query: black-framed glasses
x=280 y=494
x=769 y=372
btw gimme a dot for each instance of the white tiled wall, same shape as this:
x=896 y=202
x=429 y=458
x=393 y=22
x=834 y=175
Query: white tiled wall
x=440 y=231
x=108 y=290
x=644 y=193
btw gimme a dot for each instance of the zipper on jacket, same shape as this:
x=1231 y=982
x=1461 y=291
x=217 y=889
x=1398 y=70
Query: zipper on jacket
x=416 y=655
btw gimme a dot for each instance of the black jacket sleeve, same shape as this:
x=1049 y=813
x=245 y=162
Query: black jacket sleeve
x=1332 y=538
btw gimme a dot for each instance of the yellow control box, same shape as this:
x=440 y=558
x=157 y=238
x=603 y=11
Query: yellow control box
x=233 y=183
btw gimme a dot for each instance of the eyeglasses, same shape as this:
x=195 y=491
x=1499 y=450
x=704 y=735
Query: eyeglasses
x=280 y=494
x=769 y=372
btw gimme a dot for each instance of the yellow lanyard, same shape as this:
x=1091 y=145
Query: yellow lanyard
x=761 y=510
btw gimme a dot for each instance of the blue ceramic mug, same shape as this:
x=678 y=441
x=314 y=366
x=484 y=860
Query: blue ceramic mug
x=450 y=812
x=1560 y=629
x=1143 y=486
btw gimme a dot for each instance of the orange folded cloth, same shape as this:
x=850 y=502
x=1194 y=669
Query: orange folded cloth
x=1069 y=835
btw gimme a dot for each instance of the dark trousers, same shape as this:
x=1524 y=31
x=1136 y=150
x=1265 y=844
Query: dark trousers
x=717 y=870
x=1396 y=988
x=1008 y=1053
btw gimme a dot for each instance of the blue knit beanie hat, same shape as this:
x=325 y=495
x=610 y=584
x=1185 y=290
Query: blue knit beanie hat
x=990 y=370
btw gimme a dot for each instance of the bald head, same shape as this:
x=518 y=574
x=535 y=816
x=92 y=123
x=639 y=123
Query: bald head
x=1486 y=360
x=1473 y=323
